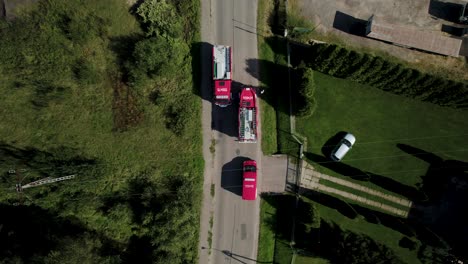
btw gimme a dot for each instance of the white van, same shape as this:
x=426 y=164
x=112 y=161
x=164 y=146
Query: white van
x=346 y=143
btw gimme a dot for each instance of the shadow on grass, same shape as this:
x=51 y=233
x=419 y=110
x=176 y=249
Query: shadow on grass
x=330 y=201
x=332 y=143
x=357 y=174
x=30 y=233
x=55 y=162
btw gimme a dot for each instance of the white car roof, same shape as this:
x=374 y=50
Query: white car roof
x=343 y=148
x=341 y=151
x=350 y=138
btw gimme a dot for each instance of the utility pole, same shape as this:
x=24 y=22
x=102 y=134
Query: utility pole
x=19 y=179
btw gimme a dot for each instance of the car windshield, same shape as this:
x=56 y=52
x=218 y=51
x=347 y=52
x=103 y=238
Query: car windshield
x=347 y=143
x=250 y=168
x=222 y=101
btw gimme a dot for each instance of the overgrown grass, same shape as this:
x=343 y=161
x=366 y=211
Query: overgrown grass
x=63 y=88
x=310 y=260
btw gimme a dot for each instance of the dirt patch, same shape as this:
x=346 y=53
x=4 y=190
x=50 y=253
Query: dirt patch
x=124 y=107
x=8 y=8
x=413 y=13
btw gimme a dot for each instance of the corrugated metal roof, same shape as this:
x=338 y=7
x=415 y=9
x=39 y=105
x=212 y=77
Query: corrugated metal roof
x=415 y=38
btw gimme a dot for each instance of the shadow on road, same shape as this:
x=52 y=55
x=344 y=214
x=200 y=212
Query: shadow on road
x=231 y=175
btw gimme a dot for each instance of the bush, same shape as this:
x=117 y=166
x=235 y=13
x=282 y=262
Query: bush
x=160 y=18
x=305 y=103
x=374 y=70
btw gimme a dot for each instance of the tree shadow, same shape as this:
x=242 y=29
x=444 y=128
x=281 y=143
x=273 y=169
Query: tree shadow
x=349 y=24
x=282 y=223
x=330 y=201
x=357 y=174
x=231 y=175
x=139 y=250
x=201 y=70
x=31 y=233
x=445 y=10
x=446 y=186
x=56 y=162
x=123 y=47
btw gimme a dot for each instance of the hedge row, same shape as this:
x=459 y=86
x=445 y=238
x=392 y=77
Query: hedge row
x=305 y=100
x=389 y=76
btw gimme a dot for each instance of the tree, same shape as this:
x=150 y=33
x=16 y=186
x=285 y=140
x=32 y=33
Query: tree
x=159 y=17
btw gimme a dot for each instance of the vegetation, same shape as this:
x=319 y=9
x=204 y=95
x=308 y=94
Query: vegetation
x=266 y=241
x=305 y=103
x=384 y=124
x=413 y=148
x=267 y=58
x=379 y=73
x=86 y=91
x=317 y=238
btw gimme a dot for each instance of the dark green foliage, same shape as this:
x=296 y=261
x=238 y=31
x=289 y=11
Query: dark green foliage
x=308 y=216
x=71 y=59
x=86 y=72
x=305 y=100
x=364 y=68
x=405 y=242
x=175 y=119
x=159 y=56
x=159 y=17
x=354 y=249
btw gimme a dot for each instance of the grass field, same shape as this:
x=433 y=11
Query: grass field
x=68 y=107
x=381 y=123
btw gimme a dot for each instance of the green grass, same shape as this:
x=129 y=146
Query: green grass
x=380 y=121
x=129 y=170
x=377 y=232
x=267 y=236
x=266 y=54
x=310 y=260
x=364 y=195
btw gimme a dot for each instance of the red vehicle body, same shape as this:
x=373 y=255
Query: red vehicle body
x=222 y=75
x=248 y=116
x=249 y=181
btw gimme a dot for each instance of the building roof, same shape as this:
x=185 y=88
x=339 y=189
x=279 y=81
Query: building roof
x=412 y=37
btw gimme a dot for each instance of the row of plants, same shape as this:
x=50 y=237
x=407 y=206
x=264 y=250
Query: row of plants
x=375 y=71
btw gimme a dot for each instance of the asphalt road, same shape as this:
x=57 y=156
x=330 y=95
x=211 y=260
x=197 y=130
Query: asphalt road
x=235 y=222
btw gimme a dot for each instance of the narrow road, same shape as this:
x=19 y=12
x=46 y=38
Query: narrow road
x=235 y=222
